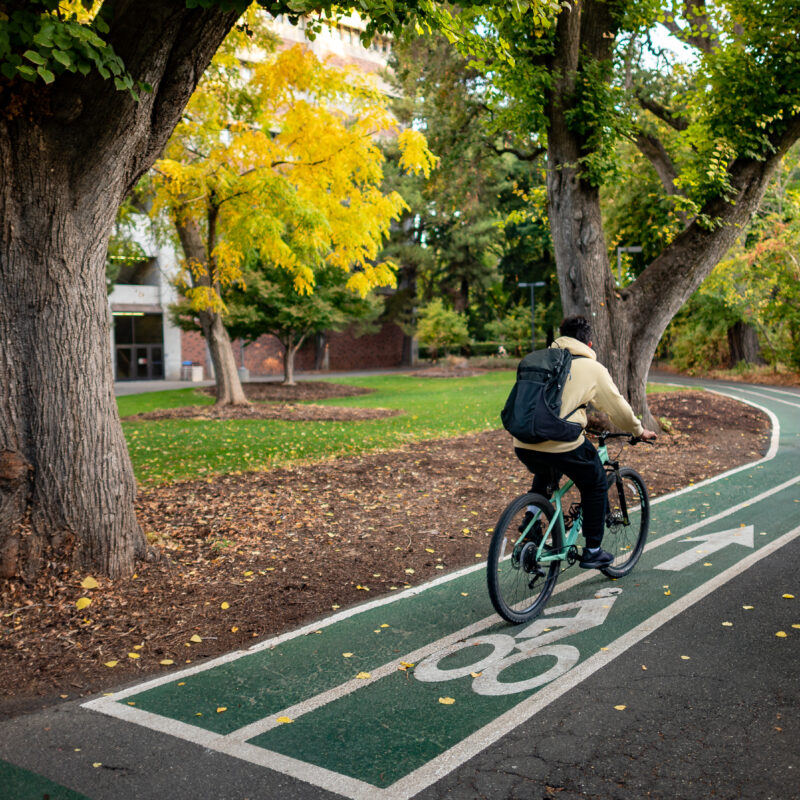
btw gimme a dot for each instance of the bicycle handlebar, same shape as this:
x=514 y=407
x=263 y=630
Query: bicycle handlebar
x=603 y=435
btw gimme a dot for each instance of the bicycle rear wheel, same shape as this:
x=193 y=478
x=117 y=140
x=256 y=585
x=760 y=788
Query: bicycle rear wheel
x=519 y=587
x=627 y=521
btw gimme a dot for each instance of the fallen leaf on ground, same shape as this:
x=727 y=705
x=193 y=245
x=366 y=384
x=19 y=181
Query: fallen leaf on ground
x=284 y=720
x=781 y=634
x=89 y=583
x=446 y=701
x=166 y=662
x=195 y=639
x=363 y=676
x=221 y=709
x=82 y=602
x=111 y=663
x=620 y=708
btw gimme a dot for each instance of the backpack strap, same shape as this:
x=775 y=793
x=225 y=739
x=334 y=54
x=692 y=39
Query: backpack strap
x=583 y=405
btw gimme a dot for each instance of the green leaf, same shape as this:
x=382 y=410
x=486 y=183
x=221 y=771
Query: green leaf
x=47 y=76
x=26 y=71
x=62 y=57
x=37 y=58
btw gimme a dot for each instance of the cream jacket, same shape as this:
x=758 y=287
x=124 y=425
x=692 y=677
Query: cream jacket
x=588 y=382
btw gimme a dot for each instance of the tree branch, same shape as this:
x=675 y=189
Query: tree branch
x=695 y=13
x=662 y=112
x=161 y=43
x=522 y=156
x=657 y=155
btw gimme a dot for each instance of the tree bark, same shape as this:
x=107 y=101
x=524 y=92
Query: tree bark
x=69 y=153
x=67 y=487
x=228 y=386
x=743 y=344
x=627 y=323
x=290 y=348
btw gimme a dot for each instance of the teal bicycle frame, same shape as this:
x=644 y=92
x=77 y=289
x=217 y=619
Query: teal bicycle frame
x=558 y=530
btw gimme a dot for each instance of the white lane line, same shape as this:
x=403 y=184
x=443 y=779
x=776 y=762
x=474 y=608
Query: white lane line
x=765 y=388
x=102 y=703
x=771 y=397
x=774 y=443
x=343 y=689
x=419 y=779
x=423 y=777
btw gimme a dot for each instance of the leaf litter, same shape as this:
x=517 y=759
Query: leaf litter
x=282 y=548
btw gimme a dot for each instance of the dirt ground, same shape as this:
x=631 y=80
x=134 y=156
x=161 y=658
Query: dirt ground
x=244 y=557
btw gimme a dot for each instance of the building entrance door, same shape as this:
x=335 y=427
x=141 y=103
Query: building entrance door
x=139 y=347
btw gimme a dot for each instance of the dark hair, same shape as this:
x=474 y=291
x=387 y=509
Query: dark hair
x=578 y=328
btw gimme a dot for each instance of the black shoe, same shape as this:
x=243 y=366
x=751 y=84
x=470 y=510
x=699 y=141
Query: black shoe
x=596 y=560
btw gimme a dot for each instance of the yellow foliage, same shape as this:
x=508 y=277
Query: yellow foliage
x=279 y=153
x=416 y=157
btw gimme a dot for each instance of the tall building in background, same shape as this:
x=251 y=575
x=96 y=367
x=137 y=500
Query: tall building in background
x=146 y=345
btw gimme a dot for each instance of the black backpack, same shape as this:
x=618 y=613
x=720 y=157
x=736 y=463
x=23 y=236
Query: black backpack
x=532 y=412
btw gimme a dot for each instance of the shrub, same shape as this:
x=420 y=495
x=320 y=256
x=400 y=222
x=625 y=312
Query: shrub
x=441 y=328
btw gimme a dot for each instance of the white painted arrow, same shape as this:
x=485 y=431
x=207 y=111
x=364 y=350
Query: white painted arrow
x=712 y=543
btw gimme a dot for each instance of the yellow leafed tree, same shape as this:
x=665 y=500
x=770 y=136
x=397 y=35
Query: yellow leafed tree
x=278 y=152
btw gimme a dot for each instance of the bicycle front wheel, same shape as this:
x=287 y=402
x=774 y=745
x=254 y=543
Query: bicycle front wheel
x=519 y=586
x=627 y=521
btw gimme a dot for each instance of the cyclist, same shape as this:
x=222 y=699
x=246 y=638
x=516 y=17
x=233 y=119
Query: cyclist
x=588 y=382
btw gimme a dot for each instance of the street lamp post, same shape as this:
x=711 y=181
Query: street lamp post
x=532 y=286
x=620 y=250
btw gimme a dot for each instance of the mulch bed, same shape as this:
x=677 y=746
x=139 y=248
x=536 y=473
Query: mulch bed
x=243 y=557
x=270 y=402
x=306 y=412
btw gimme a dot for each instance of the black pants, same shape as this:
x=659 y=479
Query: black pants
x=584 y=467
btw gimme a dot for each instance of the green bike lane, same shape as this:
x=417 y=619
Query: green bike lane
x=382 y=700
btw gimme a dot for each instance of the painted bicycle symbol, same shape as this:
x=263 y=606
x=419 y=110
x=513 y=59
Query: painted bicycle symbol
x=532 y=642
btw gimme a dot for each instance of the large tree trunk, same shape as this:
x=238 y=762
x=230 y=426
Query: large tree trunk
x=67 y=489
x=69 y=153
x=627 y=323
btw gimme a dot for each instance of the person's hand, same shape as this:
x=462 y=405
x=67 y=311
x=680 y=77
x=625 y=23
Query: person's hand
x=648 y=435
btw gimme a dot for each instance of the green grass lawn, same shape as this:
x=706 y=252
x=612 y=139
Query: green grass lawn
x=169 y=450
x=433 y=408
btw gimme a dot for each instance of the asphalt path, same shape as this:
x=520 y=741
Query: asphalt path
x=680 y=681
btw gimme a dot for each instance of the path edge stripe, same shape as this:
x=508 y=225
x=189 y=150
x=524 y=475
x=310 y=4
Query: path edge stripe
x=451 y=759
x=102 y=703
x=770 y=454
x=318 y=701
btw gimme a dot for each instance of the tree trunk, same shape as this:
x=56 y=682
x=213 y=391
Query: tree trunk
x=69 y=152
x=743 y=344
x=627 y=323
x=66 y=482
x=321 y=352
x=229 y=387
x=290 y=349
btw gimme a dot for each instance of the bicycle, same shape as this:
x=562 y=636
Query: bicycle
x=528 y=550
